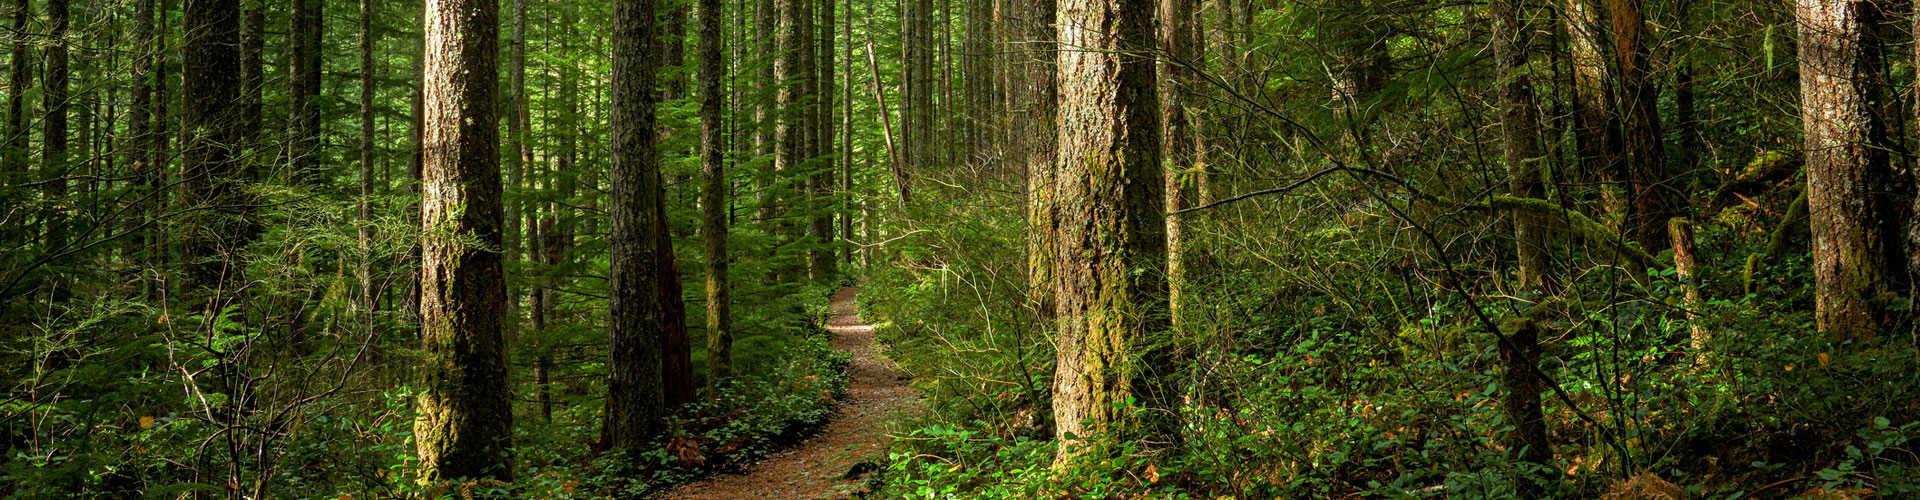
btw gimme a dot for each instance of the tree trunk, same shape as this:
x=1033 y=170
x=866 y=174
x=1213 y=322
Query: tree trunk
x=1179 y=44
x=820 y=229
x=634 y=413
x=673 y=50
x=13 y=157
x=1854 y=252
x=303 y=88
x=1686 y=266
x=1596 y=126
x=466 y=417
x=1521 y=403
x=416 y=169
x=139 y=135
x=253 y=78
x=53 y=95
x=1032 y=94
x=1654 y=195
x=713 y=202
x=977 y=70
x=917 y=126
x=367 y=88
x=846 y=152
x=1521 y=128
x=767 y=86
x=208 y=94
x=1111 y=234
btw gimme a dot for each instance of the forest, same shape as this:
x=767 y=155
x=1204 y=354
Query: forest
x=956 y=249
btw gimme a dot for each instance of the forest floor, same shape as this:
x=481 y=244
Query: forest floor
x=817 y=467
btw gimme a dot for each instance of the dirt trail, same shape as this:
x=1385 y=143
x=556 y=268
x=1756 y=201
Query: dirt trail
x=814 y=468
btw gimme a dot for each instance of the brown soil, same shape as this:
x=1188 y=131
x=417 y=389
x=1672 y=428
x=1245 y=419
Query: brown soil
x=814 y=468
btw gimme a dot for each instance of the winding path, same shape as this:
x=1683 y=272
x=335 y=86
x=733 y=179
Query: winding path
x=814 y=468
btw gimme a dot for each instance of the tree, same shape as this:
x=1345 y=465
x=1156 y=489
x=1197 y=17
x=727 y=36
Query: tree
x=979 y=81
x=208 y=94
x=303 y=89
x=1653 y=194
x=466 y=417
x=1180 y=48
x=54 y=96
x=1596 y=126
x=253 y=36
x=820 y=229
x=1854 y=249
x=635 y=312
x=14 y=161
x=1031 y=92
x=713 y=201
x=367 y=42
x=1520 y=126
x=1111 y=231
x=917 y=112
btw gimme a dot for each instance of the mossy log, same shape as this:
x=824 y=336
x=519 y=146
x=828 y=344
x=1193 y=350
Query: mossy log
x=1580 y=226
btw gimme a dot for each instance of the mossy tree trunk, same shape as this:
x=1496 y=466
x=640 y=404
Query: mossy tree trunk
x=1031 y=93
x=714 y=201
x=1180 y=48
x=1854 y=250
x=1110 y=232
x=466 y=418
x=1520 y=125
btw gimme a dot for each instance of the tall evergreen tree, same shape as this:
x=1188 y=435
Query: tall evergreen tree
x=54 y=95
x=1110 y=231
x=208 y=97
x=714 y=201
x=1854 y=250
x=635 y=312
x=20 y=77
x=1519 y=124
x=466 y=414
x=303 y=89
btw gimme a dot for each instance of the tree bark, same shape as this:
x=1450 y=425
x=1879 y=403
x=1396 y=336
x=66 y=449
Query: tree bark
x=208 y=166
x=252 y=69
x=1653 y=193
x=1520 y=125
x=303 y=88
x=1521 y=403
x=1596 y=126
x=767 y=86
x=635 y=397
x=820 y=229
x=1032 y=94
x=367 y=42
x=1686 y=266
x=1111 y=233
x=1854 y=252
x=713 y=202
x=917 y=127
x=1179 y=46
x=977 y=76
x=466 y=418
x=53 y=93
x=14 y=160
